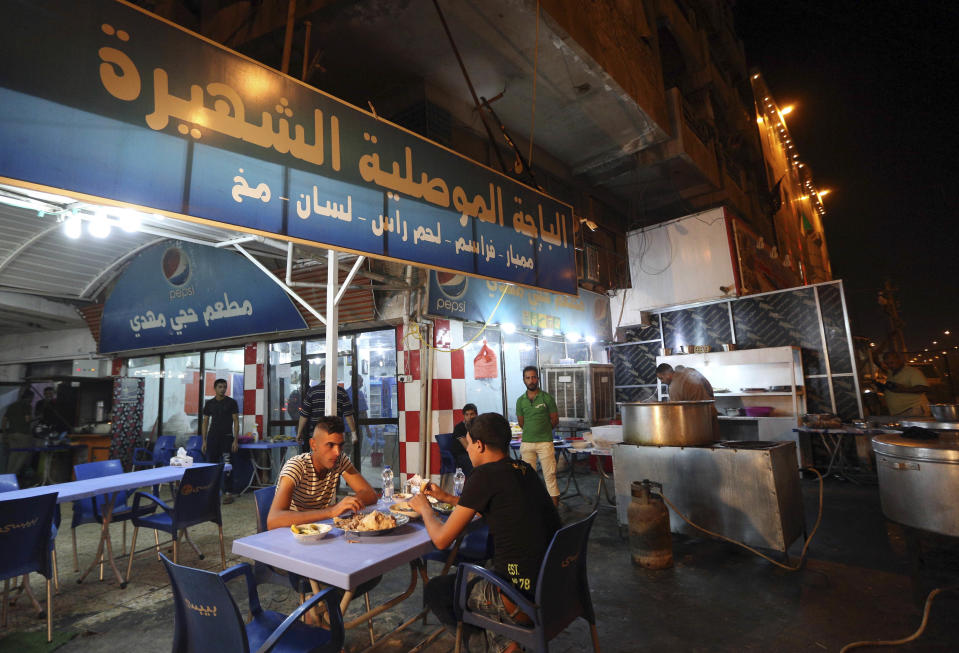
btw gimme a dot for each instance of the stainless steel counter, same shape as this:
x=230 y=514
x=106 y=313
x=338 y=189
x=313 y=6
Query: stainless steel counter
x=750 y=495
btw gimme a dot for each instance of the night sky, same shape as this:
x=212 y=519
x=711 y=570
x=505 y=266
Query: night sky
x=875 y=88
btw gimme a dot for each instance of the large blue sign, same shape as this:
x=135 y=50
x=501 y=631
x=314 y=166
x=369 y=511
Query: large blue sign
x=174 y=293
x=478 y=300
x=100 y=98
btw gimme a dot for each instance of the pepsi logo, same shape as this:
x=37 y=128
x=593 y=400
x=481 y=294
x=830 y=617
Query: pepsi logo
x=452 y=284
x=176 y=266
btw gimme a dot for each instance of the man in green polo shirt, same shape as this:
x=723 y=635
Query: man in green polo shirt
x=538 y=416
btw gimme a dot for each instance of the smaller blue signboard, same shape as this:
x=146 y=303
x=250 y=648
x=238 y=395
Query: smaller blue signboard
x=175 y=293
x=460 y=297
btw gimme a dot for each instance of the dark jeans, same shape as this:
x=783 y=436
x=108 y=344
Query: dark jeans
x=482 y=597
x=218 y=449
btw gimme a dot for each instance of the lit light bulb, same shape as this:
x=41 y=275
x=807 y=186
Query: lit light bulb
x=590 y=339
x=549 y=333
x=99 y=227
x=73 y=226
x=508 y=328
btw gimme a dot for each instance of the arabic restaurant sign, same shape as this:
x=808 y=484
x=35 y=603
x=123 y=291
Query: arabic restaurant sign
x=174 y=293
x=98 y=97
x=457 y=296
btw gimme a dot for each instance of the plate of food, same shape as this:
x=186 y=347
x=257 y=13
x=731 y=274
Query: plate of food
x=404 y=508
x=310 y=532
x=445 y=508
x=402 y=496
x=370 y=524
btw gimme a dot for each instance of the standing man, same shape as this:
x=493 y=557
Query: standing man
x=314 y=407
x=521 y=519
x=16 y=431
x=458 y=447
x=537 y=415
x=905 y=388
x=687 y=384
x=221 y=428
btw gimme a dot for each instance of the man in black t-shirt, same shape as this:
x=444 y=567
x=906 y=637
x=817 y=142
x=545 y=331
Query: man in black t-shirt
x=221 y=427
x=458 y=446
x=521 y=518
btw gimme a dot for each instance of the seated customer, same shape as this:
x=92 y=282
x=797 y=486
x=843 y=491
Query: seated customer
x=521 y=518
x=458 y=447
x=306 y=489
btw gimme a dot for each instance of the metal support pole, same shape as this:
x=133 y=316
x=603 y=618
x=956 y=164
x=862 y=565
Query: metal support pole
x=332 y=331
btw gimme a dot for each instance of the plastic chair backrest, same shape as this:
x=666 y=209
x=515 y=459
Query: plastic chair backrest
x=8 y=482
x=99 y=469
x=164 y=449
x=194 y=449
x=25 y=527
x=562 y=587
x=263 y=498
x=207 y=618
x=198 y=499
x=447 y=461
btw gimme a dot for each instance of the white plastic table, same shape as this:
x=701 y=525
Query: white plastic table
x=109 y=485
x=346 y=561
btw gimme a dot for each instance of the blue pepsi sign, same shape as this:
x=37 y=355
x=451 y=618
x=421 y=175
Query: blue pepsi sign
x=477 y=300
x=174 y=293
x=100 y=98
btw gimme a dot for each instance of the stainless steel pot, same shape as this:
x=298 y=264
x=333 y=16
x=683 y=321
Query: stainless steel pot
x=919 y=482
x=945 y=412
x=669 y=423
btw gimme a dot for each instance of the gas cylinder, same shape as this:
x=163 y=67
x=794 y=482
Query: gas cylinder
x=649 y=539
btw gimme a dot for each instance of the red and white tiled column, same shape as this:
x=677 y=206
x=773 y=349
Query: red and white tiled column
x=447 y=394
x=254 y=389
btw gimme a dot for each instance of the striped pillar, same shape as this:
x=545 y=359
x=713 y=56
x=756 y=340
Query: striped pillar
x=254 y=388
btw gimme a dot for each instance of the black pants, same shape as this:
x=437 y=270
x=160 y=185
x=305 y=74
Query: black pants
x=218 y=446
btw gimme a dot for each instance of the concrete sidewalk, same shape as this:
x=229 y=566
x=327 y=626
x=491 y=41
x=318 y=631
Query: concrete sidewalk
x=718 y=597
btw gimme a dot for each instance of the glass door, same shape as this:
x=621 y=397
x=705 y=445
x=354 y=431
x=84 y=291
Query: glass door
x=374 y=397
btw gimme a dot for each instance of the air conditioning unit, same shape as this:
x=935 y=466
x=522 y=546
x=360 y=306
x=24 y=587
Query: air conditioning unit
x=584 y=393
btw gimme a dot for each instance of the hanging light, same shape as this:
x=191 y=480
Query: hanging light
x=73 y=226
x=508 y=328
x=549 y=333
x=99 y=226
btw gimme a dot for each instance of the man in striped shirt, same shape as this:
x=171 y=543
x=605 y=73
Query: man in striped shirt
x=313 y=407
x=306 y=489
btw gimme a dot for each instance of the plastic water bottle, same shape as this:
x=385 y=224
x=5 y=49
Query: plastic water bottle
x=459 y=478
x=387 y=483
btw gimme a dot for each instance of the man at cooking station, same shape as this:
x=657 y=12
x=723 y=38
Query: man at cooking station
x=687 y=384
x=905 y=387
x=521 y=518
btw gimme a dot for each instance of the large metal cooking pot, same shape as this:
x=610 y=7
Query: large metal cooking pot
x=919 y=482
x=669 y=423
x=945 y=412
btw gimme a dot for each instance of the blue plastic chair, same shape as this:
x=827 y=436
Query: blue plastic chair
x=163 y=449
x=194 y=449
x=264 y=573
x=208 y=619
x=197 y=501
x=447 y=461
x=476 y=548
x=25 y=543
x=8 y=483
x=562 y=593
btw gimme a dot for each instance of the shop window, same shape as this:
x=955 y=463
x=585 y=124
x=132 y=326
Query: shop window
x=483 y=368
x=226 y=364
x=375 y=402
x=552 y=351
x=285 y=385
x=149 y=369
x=181 y=395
